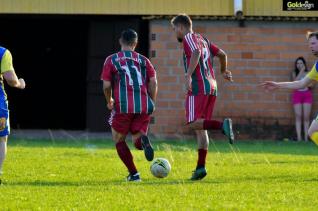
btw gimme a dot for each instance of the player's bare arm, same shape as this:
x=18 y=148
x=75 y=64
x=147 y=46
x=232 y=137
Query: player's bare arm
x=194 y=60
x=107 y=88
x=223 y=62
x=272 y=85
x=13 y=81
x=153 y=88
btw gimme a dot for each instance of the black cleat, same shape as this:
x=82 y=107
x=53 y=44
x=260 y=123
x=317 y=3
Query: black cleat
x=148 y=150
x=228 y=130
x=134 y=178
x=199 y=174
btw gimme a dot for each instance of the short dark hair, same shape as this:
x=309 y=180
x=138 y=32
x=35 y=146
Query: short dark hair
x=312 y=34
x=182 y=19
x=129 y=37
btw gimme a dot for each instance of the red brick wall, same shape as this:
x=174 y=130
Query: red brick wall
x=258 y=52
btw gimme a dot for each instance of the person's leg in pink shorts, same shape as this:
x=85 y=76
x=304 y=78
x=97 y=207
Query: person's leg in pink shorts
x=302 y=102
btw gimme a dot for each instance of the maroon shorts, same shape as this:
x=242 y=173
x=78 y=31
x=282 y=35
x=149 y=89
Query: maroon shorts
x=199 y=107
x=133 y=123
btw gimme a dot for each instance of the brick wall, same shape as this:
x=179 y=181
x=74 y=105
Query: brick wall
x=258 y=52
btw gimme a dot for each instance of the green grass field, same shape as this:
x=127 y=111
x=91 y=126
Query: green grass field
x=88 y=175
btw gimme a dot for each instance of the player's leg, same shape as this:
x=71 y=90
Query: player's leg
x=313 y=131
x=137 y=140
x=4 y=132
x=120 y=124
x=202 y=124
x=307 y=111
x=298 y=111
x=139 y=129
x=199 y=111
x=3 y=151
x=203 y=145
x=197 y=108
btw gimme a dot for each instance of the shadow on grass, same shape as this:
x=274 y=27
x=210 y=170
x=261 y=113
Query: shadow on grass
x=273 y=147
x=96 y=183
x=61 y=143
x=163 y=182
x=108 y=183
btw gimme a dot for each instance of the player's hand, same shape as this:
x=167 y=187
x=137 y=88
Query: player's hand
x=110 y=104
x=227 y=75
x=22 y=83
x=269 y=85
x=302 y=68
x=189 y=82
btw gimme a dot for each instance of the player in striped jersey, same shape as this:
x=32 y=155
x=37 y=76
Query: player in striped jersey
x=311 y=77
x=130 y=88
x=202 y=87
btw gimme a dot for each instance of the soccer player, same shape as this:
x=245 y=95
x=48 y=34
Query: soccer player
x=312 y=76
x=130 y=88
x=198 y=53
x=6 y=72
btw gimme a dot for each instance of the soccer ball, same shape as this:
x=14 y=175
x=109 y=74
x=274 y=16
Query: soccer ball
x=160 y=167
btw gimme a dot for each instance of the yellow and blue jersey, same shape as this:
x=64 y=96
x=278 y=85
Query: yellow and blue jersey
x=313 y=74
x=5 y=66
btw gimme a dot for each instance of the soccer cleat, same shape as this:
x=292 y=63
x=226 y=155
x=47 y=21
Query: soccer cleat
x=134 y=178
x=148 y=150
x=227 y=130
x=199 y=174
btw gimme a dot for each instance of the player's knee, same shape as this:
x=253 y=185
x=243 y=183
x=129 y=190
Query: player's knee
x=203 y=145
x=118 y=139
x=4 y=138
x=313 y=128
x=314 y=137
x=192 y=125
x=137 y=143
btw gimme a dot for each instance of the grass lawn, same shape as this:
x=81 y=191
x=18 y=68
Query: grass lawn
x=88 y=175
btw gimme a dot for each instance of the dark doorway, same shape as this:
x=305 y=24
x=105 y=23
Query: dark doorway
x=61 y=58
x=103 y=41
x=50 y=52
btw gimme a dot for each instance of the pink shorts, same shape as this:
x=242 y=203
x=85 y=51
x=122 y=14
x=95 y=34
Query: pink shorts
x=199 y=107
x=301 y=97
x=133 y=123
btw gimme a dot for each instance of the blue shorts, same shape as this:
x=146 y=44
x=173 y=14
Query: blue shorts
x=4 y=122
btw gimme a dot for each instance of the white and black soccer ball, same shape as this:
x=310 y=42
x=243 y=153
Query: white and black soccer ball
x=160 y=167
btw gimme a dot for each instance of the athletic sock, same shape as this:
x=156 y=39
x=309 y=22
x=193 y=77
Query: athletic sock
x=212 y=125
x=138 y=143
x=126 y=156
x=201 y=158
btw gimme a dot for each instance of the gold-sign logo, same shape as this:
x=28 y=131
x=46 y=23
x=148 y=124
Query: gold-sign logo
x=299 y=5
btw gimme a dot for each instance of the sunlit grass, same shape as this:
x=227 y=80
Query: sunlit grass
x=88 y=175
